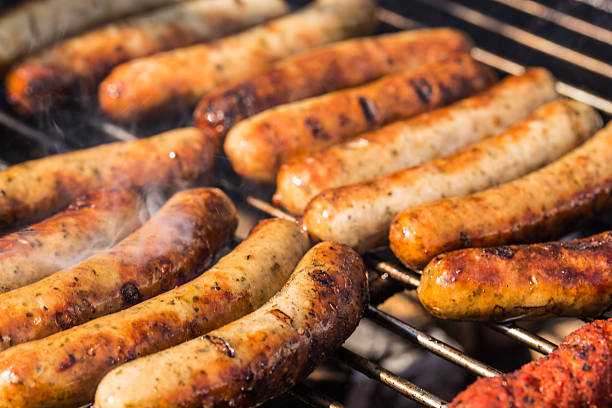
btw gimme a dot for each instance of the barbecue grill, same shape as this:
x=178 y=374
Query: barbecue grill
x=552 y=37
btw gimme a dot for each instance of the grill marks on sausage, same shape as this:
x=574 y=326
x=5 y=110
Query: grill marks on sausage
x=422 y=88
x=316 y=129
x=369 y=109
x=220 y=344
x=505 y=251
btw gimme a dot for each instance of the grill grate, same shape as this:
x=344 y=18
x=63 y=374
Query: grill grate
x=391 y=277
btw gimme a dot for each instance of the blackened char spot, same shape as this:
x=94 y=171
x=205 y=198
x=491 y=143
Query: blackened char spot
x=503 y=251
x=422 y=88
x=220 y=345
x=370 y=111
x=586 y=245
x=66 y=364
x=282 y=316
x=129 y=293
x=316 y=128
x=322 y=277
x=465 y=240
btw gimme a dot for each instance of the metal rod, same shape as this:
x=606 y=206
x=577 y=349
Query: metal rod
x=408 y=278
x=430 y=343
x=521 y=36
x=391 y=380
x=26 y=130
x=534 y=341
x=313 y=397
x=269 y=208
x=112 y=130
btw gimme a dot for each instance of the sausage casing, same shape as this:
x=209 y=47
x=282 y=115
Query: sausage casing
x=410 y=142
x=577 y=374
x=323 y=70
x=540 y=206
x=260 y=355
x=91 y=224
x=76 y=66
x=36 y=23
x=359 y=215
x=238 y=284
x=534 y=281
x=171 y=81
x=35 y=189
x=257 y=146
x=173 y=246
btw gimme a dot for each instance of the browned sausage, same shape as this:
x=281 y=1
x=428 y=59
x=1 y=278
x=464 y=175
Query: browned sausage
x=64 y=369
x=91 y=224
x=173 y=246
x=539 y=206
x=259 y=356
x=258 y=146
x=322 y=70
x=168 y=82
x=35 y=189
x=527 y=281
x=76 y=66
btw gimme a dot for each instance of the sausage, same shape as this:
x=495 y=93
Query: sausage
x=256 y=147
x=577 y=374
x=553 y=279
x=33 y=24
x=323 y=70
x=35 y=189
x=540 y=206
x=64 y=369
x=76 y=66
x=260 y=355
x=410 y=142
x=359 y=215
x=173 y=246
x=169 y=82
x=91 y=224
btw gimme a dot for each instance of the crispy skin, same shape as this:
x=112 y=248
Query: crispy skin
x=76 y=66
x=539 y=206
x=172 y=247
x=577 y=374
x=528 y=281
x=259 y=356
x=258 y=146
x=323 y=70
x=33 y=24
x=169 y=82
x=91 y=224
x=359 y=215
x=35 y=189
x=238 y=284
x=411 y=142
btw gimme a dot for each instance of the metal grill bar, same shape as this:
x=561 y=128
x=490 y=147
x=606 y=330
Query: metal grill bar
x=389 y=379
x=534 y=341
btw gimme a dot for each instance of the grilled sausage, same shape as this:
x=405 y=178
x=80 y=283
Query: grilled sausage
x=238 y=284
x=168 y=82
x=80 y=63
x=173 y=246
x=36 y=23
x=408 y=143
x=33 y=190
x=359 y=215
x=91 y=224
x=577 y=374
x=539 y=206
x=259 y=356
x=322 y=70
x=258 y=146
x=528 y=281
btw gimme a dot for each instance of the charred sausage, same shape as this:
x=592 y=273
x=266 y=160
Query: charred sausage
x=539 y=206
x=577 y=374
x=64 y=369
x=527 y=281
x=323 y=70
x=35 y=189
x=33 y=24
x=408 y=143
x=80 y=63
x=173 y=246
x=91 y=224
x=359 y=215
x=168 y=82
x=258 y=146
x=260 y=355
